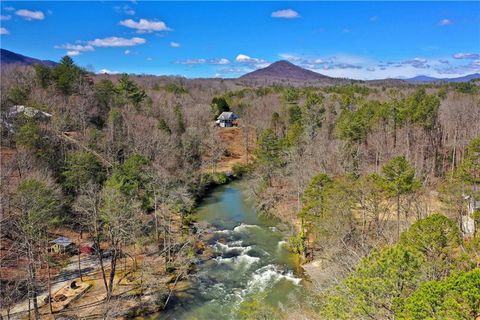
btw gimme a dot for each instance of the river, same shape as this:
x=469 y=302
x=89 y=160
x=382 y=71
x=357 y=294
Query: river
x=251 y=261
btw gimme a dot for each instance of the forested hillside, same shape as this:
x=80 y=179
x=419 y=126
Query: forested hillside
x=373 y=180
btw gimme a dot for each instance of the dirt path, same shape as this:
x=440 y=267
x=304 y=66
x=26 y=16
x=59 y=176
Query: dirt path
x=235 y=143
x=66 y=275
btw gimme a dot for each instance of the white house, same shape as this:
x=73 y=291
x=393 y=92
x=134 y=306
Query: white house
x=226 y=119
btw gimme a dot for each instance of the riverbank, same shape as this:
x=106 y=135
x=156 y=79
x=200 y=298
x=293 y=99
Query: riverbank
x=250 y=262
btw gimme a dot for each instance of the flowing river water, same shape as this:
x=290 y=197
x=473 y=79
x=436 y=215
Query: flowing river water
x=251 y=261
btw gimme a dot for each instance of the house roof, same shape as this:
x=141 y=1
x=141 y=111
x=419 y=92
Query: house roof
x=227 y=116
x=62 y=241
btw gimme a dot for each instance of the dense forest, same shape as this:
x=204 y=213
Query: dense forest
x=377 y=182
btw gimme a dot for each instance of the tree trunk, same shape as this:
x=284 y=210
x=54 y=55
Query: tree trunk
x=79 y=262
x=113 y=265
x=32 y=282
x=398 y=216
x=49 y=284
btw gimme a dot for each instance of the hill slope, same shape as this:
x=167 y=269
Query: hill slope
x=9 y=57
x=284 y=70
x=432 y=79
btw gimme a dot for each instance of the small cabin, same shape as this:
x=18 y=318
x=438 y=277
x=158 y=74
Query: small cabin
x=227 y=119
x=61 y=245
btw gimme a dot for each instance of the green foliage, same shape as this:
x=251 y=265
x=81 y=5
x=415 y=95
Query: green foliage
x=240 y=169
x=378 y=286
x=398 y=177
x=130 y=91
x=255 y=308
x=275 y=121
x=433 y=236
x=38 y=204
x=294 y=114
x=349 y=90
x=405 y=281
x=315 y=195
x=456 y=297
x=354 y=126
x=162 y=125
x=81 y=168
x=66 y=75
x=422 y=109
x=131 y=179
x=312 y=114
x=465 y=87
x=296 y=243
x=290 y=95
x=119 y=215
x=268 y=149
x=215 y=178
x=18 y=95
x=175 y=88
x=30 y=136
x=219 y=105
x=470 y=167
x=43 y=75
x=105 y=94
x=180 y=121
x=294 y=134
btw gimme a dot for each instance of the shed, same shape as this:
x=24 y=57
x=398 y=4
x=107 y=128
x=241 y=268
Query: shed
x=226 y=119
x=87 y=248
x=61 y=245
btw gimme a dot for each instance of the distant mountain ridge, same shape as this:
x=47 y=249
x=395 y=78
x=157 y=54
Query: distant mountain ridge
x=279 y=71
x=8 y=57
x=284 y=70
x=433 y=79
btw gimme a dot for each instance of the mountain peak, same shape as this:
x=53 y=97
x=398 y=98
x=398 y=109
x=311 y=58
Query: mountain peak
x=9 y=57
x=284 y=70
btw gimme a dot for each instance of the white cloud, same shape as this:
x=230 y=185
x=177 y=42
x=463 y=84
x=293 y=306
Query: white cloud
x=254 y=62
x=130 y=12
x=149 y=59
x=219 y=61
x=30 y=15
x=117 y=42
x=76 y=47
x=4 y=31
x=174 y=44
x=466 y=55
x=9 y=8
x=73 y=53
x=417 y=63
x=286 y=14
x=127 y=51
x=144 y=25
x=4 y=18
x=191 y=61
x=125 y=9
x=106 y=71
x=445 y=22
x=243 y=58
x=290 y=57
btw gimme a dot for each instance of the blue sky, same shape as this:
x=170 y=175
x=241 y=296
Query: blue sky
x=361 y=40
